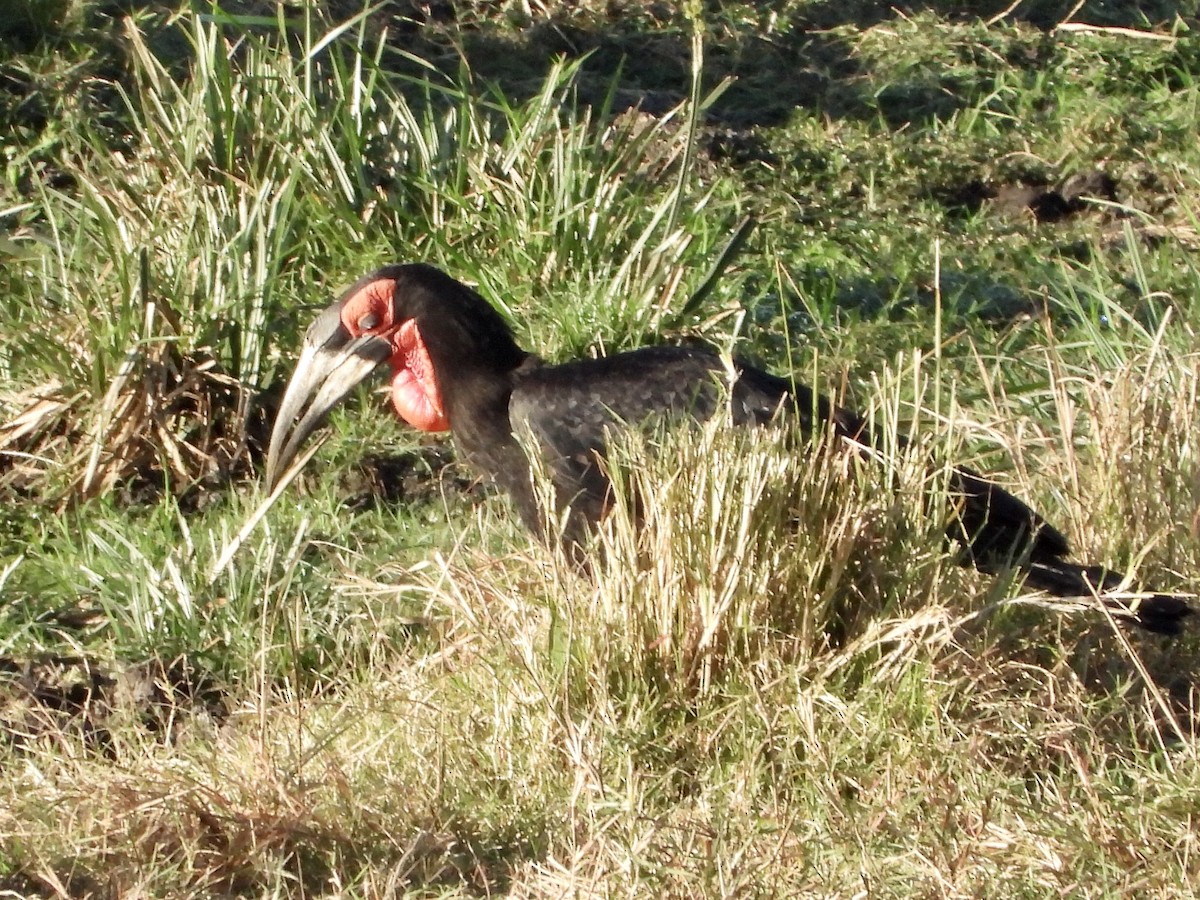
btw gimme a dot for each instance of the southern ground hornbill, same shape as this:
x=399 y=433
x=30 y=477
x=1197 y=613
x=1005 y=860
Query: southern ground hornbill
x=455 y=366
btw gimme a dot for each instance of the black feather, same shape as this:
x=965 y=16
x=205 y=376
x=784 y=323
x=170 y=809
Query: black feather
x=494 y=392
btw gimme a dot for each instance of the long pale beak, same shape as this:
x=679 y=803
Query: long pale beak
x=331 y=364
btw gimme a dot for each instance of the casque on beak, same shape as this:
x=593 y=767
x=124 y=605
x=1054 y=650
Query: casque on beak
x=331 y=364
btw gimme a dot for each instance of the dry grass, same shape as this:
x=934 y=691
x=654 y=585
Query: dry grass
x=776 y=681
x=166 y=422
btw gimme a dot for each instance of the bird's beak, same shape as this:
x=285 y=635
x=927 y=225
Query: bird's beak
x=331 y=364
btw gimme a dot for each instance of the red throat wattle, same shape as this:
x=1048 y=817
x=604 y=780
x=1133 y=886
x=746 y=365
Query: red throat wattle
x=415 y=392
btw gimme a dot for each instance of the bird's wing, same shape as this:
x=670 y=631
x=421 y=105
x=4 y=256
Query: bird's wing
x=567 y=411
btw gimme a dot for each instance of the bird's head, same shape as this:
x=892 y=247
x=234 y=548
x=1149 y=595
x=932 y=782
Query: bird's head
x=426 y=326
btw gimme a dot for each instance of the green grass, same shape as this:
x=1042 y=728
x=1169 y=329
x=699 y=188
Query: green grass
x=781 y=684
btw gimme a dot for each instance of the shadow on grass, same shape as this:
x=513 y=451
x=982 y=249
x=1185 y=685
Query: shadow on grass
x=775 y=68
x=73 y=695
x=781 y=55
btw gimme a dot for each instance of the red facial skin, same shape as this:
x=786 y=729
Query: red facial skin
x=415 y=392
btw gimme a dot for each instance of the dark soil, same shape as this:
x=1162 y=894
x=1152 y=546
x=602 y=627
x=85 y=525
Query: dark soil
x=1035 y=199
x=428 y=474
x=63 y=696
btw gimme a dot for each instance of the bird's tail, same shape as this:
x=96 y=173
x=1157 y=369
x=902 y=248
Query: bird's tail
x=1160 y=613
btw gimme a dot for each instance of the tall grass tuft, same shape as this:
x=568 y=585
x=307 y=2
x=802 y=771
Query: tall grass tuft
x=268 y=175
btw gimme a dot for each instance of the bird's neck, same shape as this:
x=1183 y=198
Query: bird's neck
x=477 y=408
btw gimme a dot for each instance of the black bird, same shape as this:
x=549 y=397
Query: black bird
x=456 y=366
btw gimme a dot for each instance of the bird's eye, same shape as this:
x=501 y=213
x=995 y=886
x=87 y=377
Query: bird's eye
x=369 y=321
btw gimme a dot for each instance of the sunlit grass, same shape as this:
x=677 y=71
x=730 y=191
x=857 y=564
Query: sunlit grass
x=777 y=679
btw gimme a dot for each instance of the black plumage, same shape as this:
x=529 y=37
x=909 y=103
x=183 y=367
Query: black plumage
x=494 y=395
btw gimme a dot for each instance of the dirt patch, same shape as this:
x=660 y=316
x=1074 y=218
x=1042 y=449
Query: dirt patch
x=73 y=696
x=1035 y=199
x=1121 y=209
x=428 y=474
